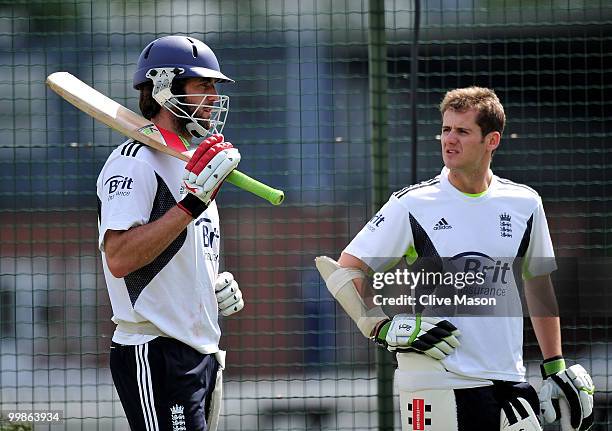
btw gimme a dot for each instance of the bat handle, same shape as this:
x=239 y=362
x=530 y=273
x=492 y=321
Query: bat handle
x=564 y=420
x=272 y=195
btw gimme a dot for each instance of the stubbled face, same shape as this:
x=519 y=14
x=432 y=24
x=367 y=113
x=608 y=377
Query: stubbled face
x=463 y=146
x=194 y=89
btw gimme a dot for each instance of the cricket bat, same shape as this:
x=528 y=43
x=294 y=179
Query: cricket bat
x=564 y=421
x=130 y=124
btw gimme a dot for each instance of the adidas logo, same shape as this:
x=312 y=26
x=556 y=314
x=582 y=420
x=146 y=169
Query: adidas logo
x=442 y=224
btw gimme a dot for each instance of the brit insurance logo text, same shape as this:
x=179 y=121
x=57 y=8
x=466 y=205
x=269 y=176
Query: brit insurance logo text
x=118 y=185
x=210 y=235
x=375 y=222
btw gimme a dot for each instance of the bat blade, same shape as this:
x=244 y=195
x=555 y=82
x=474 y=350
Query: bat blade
x=129 y=123
x=109 y=112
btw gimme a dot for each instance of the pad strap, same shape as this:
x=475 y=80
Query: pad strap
x=340 y=277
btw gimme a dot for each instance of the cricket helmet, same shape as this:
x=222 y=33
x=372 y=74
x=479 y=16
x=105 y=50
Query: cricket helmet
x=171 y=58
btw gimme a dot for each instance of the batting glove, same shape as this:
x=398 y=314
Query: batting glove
x=210 y=164
x=432 y=336
x=229 y=296
x=575 y=385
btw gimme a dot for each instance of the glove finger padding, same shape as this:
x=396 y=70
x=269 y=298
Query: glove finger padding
x=576 y=386
x=232 y=304
x=427 y=341
x=430 y=335
x=426 y=348
x=205 y=166
x=227 y=292
x=229 y=296
x=223 y=163
x=199 y=177
x=235 y=308
x=204 y=146
x=442 y=329
x=206 y=183
x=223 y=280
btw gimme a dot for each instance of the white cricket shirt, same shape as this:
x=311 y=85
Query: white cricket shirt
x=175 y=292
x=436 y=219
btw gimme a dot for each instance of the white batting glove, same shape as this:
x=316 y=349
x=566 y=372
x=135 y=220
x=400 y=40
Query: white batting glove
x=210 y=164
x=518 y=415
x=575 y=385
x=229 y=296
x=432 y=336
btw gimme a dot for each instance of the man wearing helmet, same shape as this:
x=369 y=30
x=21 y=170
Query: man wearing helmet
x=165 y=69
x=159 y=238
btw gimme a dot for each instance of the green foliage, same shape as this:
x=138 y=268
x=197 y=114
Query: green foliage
x=5 y=425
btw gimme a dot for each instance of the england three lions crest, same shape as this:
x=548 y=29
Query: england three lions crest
x=505 y=225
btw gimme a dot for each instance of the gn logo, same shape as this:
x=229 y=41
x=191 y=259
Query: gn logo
x=118 y=182
x=405 y=327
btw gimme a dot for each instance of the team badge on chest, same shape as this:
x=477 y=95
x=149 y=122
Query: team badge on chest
x=505 y=225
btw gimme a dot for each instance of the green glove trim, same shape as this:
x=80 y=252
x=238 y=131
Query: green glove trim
x=552 y=366
x=382 y=334
x=416 y=330
x=588 y=391
x=381 y=337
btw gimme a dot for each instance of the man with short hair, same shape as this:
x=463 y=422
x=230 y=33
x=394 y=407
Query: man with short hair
x=159 y=238
x=461 y=367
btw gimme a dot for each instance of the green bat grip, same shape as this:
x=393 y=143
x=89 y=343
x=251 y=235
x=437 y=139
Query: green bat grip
x=274 y=196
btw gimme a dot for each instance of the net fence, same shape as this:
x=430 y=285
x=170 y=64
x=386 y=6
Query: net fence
x=301 y=116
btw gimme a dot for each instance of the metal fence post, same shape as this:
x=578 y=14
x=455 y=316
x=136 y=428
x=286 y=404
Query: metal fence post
x=377 y=62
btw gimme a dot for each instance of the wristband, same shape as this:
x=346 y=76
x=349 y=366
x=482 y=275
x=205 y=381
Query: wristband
x=192 y=205
x=375 y=334
x=552 y=366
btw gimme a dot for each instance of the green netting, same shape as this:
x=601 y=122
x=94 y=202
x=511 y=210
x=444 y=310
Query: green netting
x=302 y=115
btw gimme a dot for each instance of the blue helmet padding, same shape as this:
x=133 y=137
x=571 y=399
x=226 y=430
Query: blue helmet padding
x=185 y=52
